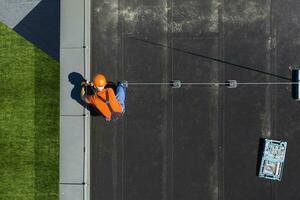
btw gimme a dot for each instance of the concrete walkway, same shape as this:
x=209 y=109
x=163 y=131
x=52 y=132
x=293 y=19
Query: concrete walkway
x=74 y=120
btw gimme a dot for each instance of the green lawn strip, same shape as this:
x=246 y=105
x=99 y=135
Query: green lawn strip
x=47 y=127
x=29 y=117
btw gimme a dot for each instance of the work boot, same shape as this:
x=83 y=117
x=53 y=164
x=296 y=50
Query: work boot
x=123 y=83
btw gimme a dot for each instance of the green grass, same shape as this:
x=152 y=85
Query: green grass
x=29 y=120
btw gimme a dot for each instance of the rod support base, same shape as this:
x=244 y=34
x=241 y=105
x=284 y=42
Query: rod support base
x=231 y=83
x=175 y=84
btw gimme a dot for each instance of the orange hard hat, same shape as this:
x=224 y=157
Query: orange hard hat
x=99 y=80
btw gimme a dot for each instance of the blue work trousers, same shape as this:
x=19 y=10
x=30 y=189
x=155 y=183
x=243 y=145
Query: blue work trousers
x=120 y=95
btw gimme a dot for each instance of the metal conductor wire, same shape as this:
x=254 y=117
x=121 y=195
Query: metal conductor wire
x=213 y=83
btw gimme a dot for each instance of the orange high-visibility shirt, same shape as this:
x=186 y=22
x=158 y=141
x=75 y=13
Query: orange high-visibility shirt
x=101 y=106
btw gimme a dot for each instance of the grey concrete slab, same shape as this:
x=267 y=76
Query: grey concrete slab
x=72 y=24
x=74 y=119
x=87 y=119
x=71 y=74
x=71 y=149
x=13 y=12
x=74 y=192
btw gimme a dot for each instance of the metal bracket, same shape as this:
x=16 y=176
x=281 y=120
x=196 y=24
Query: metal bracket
x=125 y=83
x=294 y=67
x=175 y=83
x=231 y=83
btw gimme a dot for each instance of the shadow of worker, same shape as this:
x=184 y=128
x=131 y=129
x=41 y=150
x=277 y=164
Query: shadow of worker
x=75 y=79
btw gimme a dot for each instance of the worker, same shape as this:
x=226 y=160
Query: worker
x=103 y=98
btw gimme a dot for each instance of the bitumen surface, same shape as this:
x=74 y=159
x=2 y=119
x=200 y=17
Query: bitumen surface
x=195 y=142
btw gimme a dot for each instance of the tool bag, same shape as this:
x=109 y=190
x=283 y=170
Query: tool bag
x=114 y=115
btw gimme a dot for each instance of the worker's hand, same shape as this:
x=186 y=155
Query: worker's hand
x=89 y=83
x=83 y=82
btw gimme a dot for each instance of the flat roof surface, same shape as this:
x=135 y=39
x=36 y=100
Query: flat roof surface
x=195 y=142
